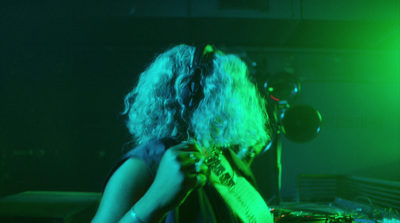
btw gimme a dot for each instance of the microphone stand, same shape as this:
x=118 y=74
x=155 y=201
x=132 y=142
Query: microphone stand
x=276 y=148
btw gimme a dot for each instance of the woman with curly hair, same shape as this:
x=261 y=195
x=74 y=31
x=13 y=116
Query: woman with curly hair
x=197 y=121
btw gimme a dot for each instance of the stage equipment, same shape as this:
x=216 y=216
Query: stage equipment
x=364 y=199
x=282 y=88
x=49 y=207
x=301 y=123
x=309 y=212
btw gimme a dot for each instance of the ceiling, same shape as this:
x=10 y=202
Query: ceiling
x=370 y=25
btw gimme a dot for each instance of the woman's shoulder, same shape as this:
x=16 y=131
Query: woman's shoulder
x=147 y=154
x=150 y=152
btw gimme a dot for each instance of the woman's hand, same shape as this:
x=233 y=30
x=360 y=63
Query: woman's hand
x=181 y=170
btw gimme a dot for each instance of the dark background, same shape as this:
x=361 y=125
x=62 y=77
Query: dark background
x=65 y=67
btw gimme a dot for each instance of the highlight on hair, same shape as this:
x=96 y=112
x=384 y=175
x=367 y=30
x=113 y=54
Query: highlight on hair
x=232 y=111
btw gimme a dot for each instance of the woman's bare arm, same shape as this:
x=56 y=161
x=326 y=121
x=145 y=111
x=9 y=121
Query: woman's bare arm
x=125 y=187
x=131 y=186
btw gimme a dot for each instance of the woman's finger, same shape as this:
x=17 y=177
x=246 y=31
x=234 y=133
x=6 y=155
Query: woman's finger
x=185 y=146
x=189 y=156
x=195 y=181
x=180 y=147
x=194 y=167
x=192 y=145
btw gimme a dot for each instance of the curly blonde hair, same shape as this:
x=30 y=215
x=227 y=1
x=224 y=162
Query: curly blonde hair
x=232 y=111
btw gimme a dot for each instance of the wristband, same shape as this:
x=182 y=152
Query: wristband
x=135 y=217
